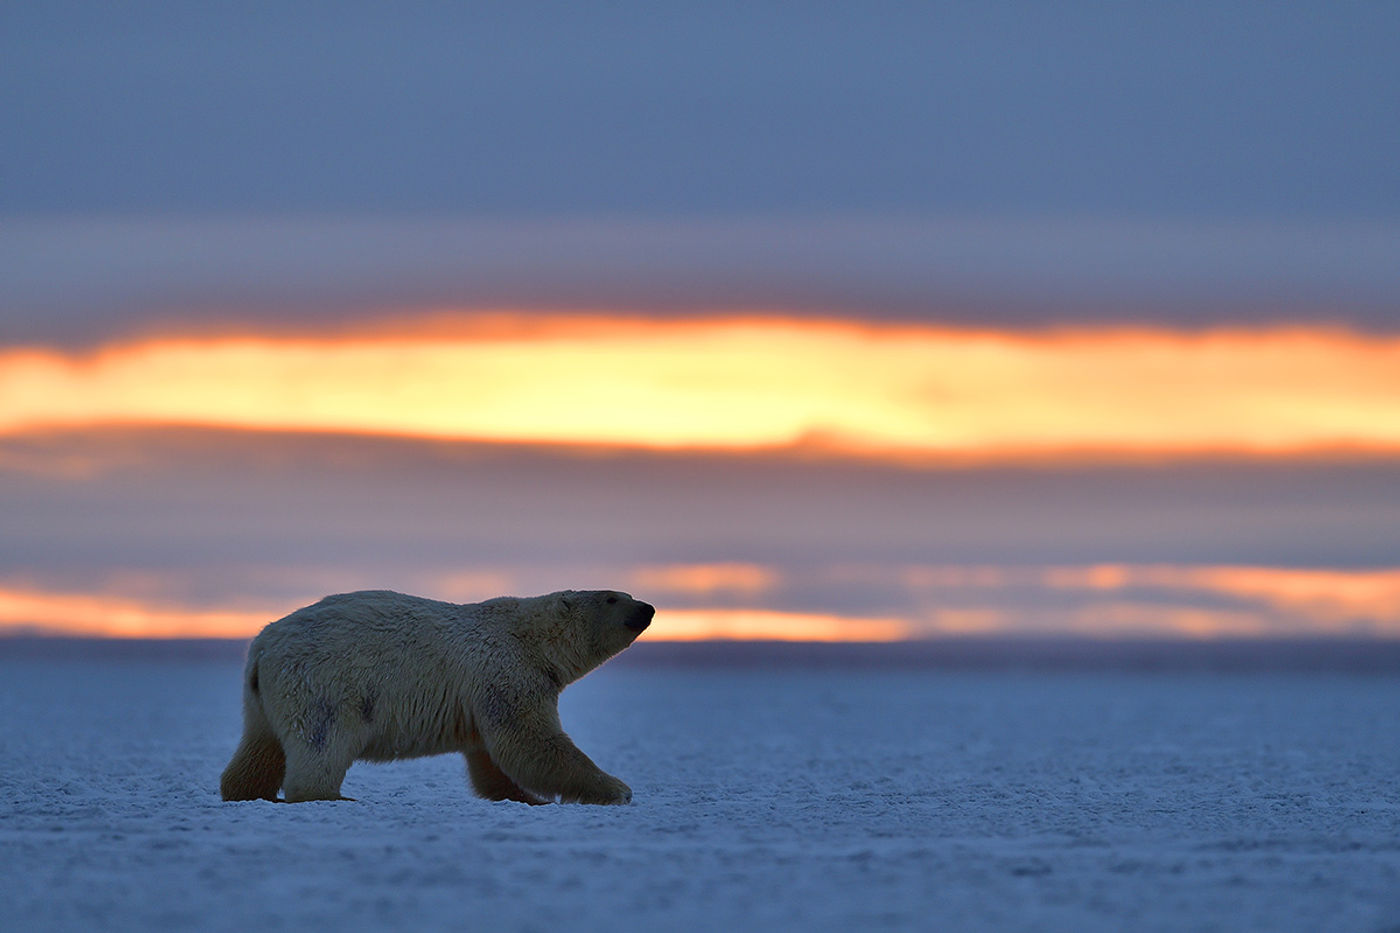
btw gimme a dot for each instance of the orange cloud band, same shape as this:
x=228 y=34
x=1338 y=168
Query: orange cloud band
x=1120 y=600
x=81 y=614
x=748 y=384
x=108 y=616
x=1326 y=599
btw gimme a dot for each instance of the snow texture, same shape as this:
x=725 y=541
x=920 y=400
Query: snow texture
x=775 y=800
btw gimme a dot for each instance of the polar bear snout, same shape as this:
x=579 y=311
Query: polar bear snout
x=640 y=617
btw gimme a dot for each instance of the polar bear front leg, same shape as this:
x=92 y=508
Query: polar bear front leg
x=532 y=750
x=491 y=782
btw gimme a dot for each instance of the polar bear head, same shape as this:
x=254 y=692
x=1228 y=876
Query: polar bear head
x=583 y=628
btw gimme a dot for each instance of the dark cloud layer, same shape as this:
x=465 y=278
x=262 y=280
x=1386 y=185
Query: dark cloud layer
x=76 y=281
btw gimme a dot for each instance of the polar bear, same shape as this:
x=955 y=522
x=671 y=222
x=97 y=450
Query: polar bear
x=378 y=675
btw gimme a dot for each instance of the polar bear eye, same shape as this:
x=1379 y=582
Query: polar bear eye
x=611 y=600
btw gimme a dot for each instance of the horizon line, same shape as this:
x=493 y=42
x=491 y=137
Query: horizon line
x=958 y=653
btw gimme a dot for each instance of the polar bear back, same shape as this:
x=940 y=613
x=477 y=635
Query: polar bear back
x=404 y=666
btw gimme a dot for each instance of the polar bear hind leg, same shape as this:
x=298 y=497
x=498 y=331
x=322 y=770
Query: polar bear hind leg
x=319 y=755
x=313 y=774
x=259 y=764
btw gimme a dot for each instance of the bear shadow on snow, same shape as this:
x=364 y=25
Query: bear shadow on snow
x=378 y=676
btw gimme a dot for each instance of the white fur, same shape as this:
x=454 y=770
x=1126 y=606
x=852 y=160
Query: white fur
x=378 y=675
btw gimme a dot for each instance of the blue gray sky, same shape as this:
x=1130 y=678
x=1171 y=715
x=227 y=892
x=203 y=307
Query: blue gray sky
x=185 y=168
x=1173 y=111
x=172 y=164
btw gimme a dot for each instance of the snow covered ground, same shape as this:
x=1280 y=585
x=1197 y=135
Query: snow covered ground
x=765 y=799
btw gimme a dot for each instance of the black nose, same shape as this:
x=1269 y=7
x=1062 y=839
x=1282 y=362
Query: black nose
x=641 y=617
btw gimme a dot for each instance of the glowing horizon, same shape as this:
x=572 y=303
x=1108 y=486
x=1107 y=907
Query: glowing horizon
x=1118 y=600
x=746 y=384
x=35 y=611
x=26 y=610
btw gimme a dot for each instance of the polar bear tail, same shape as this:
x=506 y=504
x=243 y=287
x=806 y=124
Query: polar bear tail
x=260 y=764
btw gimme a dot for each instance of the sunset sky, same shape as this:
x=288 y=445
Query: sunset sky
x=797 y=321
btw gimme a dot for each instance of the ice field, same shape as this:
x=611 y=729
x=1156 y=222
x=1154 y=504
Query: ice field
x=784 y=798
